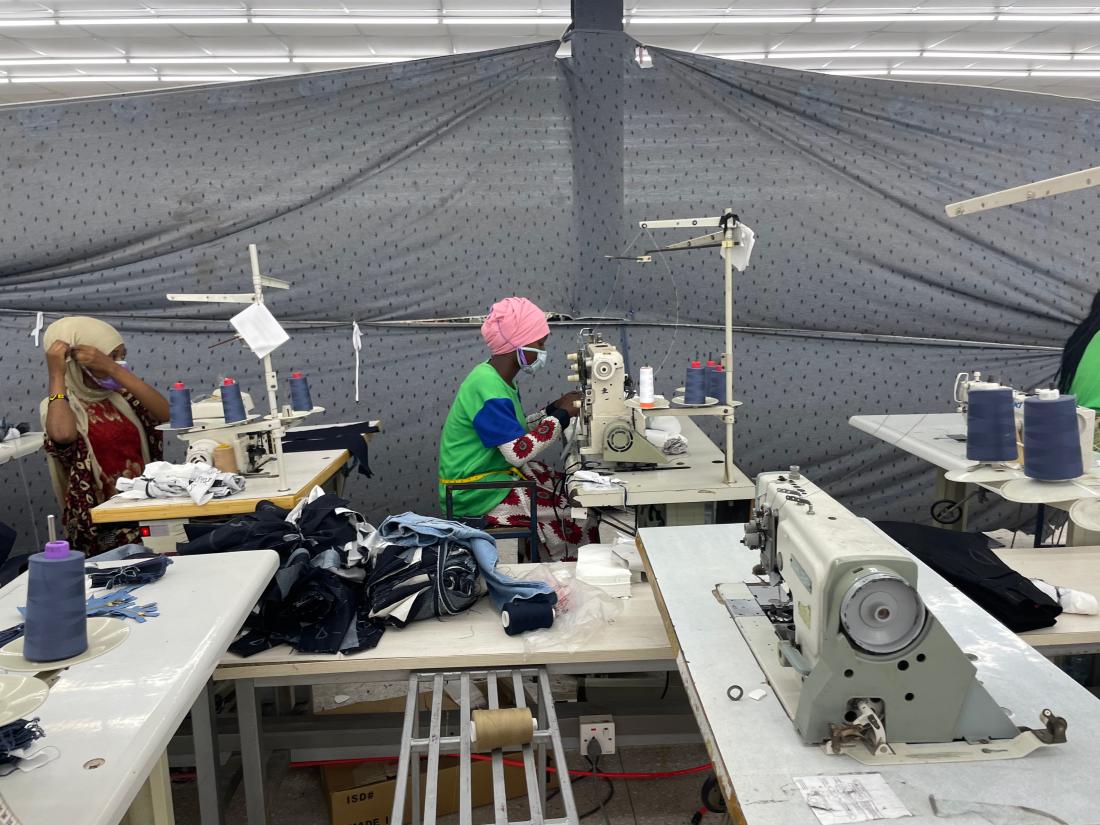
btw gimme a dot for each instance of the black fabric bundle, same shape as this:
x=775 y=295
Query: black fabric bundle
x=312 y=602
x=966 y=561
x=335 y=437
x=407 y=584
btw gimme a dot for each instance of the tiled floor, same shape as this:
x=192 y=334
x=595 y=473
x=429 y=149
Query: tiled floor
x=297 y=797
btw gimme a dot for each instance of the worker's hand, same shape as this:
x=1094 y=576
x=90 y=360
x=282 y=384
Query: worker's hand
x=56 y=356
x=92 y=359
x=570 y=402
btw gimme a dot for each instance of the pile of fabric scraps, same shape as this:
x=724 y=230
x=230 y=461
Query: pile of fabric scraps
x=414 y=535
x=17 y=750
x=162 y=479
x=341 y=583
x=313 y=601
x=663 y=432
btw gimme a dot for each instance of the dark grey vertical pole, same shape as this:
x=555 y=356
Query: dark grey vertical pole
x=600 y=52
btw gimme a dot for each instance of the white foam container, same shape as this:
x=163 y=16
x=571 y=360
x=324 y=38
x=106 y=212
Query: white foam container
x=599 y=566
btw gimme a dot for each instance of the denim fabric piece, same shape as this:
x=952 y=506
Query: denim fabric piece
x=410 y=530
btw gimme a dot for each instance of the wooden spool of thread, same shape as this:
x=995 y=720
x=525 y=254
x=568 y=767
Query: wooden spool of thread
x=506 y=727
x=225 y=458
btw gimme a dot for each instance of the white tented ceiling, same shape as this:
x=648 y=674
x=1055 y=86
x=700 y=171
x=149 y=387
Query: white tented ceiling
x=81 y=47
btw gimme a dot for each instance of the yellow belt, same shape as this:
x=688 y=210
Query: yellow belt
x=480 y=476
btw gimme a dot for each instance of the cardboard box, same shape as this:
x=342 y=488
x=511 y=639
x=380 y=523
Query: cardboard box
x=363 y=794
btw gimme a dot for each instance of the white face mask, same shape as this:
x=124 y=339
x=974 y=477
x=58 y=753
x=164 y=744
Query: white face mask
x=531 y=366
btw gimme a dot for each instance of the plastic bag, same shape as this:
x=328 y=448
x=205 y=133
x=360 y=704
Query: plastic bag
x=582 y=611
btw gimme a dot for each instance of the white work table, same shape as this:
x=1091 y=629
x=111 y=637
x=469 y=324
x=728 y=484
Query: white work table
x=702 y=481
x=124 y=706
x=304 y=472
x=754 y=746
x=635 y=641
x=940 y=439
x=21 y=446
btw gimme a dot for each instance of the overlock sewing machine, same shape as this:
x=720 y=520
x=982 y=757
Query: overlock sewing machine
x=608 y=427
x=252 y=440
x=854 y=655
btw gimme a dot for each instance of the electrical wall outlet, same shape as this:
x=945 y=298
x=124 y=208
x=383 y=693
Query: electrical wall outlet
x=600 y=728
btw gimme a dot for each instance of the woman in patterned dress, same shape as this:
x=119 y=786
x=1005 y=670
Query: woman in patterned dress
x=100 y=422
x=488 y=437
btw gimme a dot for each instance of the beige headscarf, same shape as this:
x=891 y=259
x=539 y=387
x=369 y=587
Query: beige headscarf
x=80 y=330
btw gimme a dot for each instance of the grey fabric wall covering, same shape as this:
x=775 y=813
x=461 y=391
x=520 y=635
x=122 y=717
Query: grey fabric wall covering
x=427 y=190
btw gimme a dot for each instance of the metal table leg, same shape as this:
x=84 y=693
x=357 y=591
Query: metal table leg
x=252 y=753
x=204 y=732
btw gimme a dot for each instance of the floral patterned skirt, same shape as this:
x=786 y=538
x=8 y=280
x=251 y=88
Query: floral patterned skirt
x=558 y=533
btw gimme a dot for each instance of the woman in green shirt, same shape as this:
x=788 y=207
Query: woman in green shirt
x=1080 y=370
x=488 y=437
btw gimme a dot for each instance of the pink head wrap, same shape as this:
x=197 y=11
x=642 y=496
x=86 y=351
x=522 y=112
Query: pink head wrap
x=513 y=323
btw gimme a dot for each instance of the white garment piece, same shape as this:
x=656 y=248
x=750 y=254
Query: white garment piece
x=162 y=479
x=1072 y=601
x=595 y=479
x=667 y=443
x=38 y=323
x=357 y=345
x=259 y=329
x=739 y=255
x=664 y=423
x=11 y=434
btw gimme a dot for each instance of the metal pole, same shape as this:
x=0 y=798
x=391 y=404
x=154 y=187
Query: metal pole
x=270 y=377
x=727 y=258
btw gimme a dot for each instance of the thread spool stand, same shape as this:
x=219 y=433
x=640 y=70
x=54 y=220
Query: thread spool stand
x=433 y=742
x=727 y=238
x=273 y=426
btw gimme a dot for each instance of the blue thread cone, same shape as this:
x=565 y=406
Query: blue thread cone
x=56 y=623
x=179 y=407
x=299 y=393
x=520 y=615
x=232 y=403
x=990 y=425
x=1052 y=446
x=695 y=384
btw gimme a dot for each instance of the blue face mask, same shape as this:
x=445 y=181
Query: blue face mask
x=110 y=383
x=531 y=366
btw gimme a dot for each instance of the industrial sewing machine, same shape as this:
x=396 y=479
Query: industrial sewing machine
x=851 y=650
x=611 y=426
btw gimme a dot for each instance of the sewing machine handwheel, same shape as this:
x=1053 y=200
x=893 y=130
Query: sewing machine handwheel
x=946 y=511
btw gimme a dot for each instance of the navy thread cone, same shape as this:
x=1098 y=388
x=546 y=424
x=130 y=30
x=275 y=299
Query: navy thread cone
x=56 y=622
x=232 y=403
x=1052 y=446
x=522 y=615
x=299 y=393
x=179 y=407
x=716 y=383
x=990 y=425
x=695 y=384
